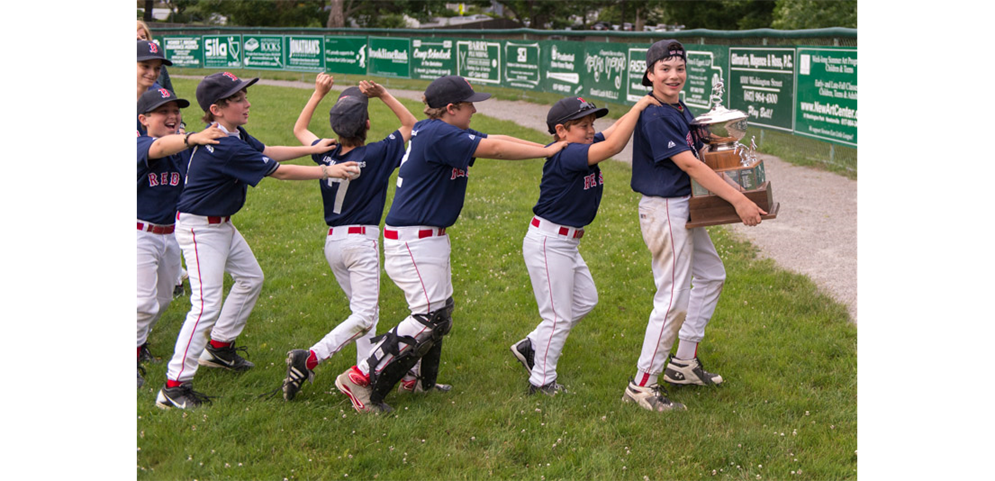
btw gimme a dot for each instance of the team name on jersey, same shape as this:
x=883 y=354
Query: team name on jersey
x=459 y=173
x=590 y=181
x=171 y=179
x=690 y=142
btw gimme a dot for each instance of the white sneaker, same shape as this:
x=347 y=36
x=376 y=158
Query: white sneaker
x=356 y=386
x=689 y=371
x=652 y=398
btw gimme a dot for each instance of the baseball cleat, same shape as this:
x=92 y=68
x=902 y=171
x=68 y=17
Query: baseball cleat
x=525 y=354
x=689 y=371
x=141 y=380
x=356 y=385
x=653 y=398
x=178 y=291
x=550 y=389
x=145 y=355
x=225 y=357
x=297 y=373
x=181 y=397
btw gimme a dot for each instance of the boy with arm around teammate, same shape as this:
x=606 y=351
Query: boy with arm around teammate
x=664 y=159
x=431 y=188
x=569 y=196
x=353 y=209
x=216 y=183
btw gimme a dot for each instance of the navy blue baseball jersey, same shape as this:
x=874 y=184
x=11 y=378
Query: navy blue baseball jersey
x=360 y=201
x=218 y=176
x=570 y=190
x=431 y=185
x=160 y=182
x=661 y=133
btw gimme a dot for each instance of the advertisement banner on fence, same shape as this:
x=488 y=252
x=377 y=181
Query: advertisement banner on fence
x=182 y=51
x=304 y=53
x=479 y=61
x=521 y=65
x=761 y=84
x=634 y=89
x=706 y=64
x=563 y=70
x=827 y=94
x=222 y=51
x=389 y=57
x=263 y=52
x=605 y=71
x=345 y=55
x=432 y=58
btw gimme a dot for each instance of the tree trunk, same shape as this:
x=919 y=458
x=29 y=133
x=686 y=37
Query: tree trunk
x=640 y=21
x=147 y=16
x=336 y=15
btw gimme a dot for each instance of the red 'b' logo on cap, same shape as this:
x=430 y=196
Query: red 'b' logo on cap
x=231 y=76
x=581 y=99
x=164 y=93
x=153 y=48
x=468 y=84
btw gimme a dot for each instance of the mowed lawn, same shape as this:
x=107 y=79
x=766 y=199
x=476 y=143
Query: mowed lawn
x=787 y=408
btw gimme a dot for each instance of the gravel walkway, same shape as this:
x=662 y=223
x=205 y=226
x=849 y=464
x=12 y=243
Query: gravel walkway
x=815 y=232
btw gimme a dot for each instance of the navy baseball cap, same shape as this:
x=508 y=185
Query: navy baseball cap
x=219 y=86
x=150 y=51
x=155 y=98
x=571 y=108
x=451 y=89
x=349 y=114
x=661 y=50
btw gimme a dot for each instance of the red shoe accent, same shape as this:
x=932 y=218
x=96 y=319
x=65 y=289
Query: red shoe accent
x=139 y=351
x=218 y=345
x=357 y=376
x=312 y=360
x=409 y=385
x=172 y=383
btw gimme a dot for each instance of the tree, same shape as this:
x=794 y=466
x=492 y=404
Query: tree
x=801 y=14
x=147 y=16
x=720 y=15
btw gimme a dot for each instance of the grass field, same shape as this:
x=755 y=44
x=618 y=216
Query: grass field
x=787 y=410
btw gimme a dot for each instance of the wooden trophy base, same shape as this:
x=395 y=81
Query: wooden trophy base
x=706 y=210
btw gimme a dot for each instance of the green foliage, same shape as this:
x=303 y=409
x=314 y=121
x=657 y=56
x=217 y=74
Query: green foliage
x=720 y=14
x=788 y=353
x=801 y=14
x=273 y=13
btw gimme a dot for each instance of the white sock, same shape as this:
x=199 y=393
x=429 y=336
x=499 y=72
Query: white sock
x=686 y=350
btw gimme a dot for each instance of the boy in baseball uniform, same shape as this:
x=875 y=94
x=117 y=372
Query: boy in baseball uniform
x=569 y=195
x=431 y=188
x=353 y=209
x=216 y=183
x=664 y=160
x=162 y=163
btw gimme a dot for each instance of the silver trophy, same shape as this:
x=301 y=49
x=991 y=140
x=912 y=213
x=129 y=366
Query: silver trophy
x=739 y=166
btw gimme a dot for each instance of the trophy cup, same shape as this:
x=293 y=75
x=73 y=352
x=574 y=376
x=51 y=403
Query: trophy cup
x=722 y=129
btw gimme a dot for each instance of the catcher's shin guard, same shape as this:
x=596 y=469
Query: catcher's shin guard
x=438 y=324
x=430 y=361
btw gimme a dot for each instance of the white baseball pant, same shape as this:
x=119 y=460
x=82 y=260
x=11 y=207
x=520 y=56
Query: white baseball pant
x=420 y=267
x=353 y=254
x=158 y=260
x=678 y=254
x=212 y=247
x=564 y=291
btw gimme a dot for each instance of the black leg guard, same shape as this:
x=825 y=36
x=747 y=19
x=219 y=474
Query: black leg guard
x=430 y=362
x=439 y=323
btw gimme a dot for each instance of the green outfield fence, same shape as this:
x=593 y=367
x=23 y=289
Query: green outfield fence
x=799 y=87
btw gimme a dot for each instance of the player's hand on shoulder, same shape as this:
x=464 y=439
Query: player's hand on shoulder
x=323 y=83
x=371 y=89
x=207 y=136
x=345 y=170
x=554 y=148
x=646 y=101
x=323 y=145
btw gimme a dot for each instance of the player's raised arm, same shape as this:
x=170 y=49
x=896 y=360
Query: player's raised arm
x=345 y=170
x=281 y=153
x=617 y=136
x=373 y=90
x=517 y=140
x=322 y=84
